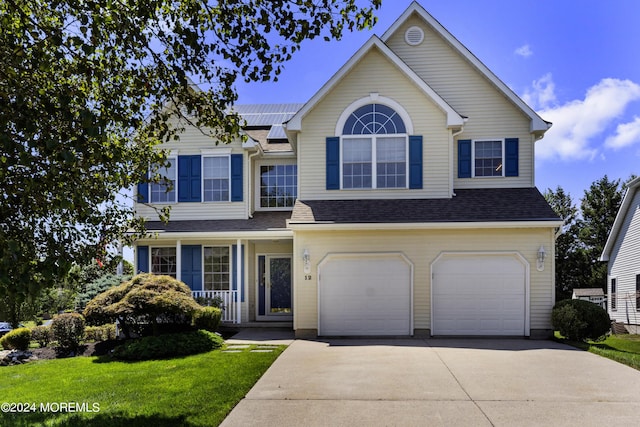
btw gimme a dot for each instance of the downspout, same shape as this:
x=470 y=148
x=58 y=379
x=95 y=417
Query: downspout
x=451 y=165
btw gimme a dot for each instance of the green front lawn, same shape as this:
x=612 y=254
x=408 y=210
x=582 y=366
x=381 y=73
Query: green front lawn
x=621 y=348
x=196 y=390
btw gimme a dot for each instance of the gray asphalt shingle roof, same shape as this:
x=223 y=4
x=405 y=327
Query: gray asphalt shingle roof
x=481 y=205
x=478 y=205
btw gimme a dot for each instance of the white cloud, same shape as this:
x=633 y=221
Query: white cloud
x=626 y=134
x=524 y=51
x=542 y=92
x=577 y=123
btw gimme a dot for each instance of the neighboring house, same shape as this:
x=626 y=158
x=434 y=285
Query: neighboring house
x=622 y=251
x=399 y=200
x=594 y=295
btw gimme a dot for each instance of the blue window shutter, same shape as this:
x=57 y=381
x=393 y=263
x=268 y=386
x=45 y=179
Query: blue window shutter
x=464 y=158
x=415 y=162
x=143 y=259
x=143 y=190
x=333 y=163
x=189 y=178
x=234 y=269
x=511 y=157
x=191 y=269
x=236 y=177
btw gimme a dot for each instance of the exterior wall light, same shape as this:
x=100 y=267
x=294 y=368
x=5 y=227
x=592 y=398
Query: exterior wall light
x=542 y=254
x=306 y=262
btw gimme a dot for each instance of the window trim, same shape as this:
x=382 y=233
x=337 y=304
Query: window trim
x=637 y=276
x=374 y=98
x=230 y=249
x=206 y=155
x=173 y=159
x=151 y=249
x=613 y=296
x=473 y=157
x=258 y=182
x=374 y=160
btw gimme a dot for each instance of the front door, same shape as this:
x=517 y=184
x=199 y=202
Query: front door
x=274 y=287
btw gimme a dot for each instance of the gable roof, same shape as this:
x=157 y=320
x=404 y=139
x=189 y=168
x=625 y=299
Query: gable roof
x=538 y=125
x=468 y=206
x=633 y=187
x=453 y=118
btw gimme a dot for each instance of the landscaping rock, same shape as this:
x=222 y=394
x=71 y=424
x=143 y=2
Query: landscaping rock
x=16 y=357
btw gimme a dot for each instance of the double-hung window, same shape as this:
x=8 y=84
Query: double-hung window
x=374 y=149
x=164 y=261
x=165 y=190
x=217 y=262
x=488 y=158
x=215 y=178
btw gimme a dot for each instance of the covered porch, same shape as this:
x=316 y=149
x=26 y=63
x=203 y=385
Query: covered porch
x=248 y=273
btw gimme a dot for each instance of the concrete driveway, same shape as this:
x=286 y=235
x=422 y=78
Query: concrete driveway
x=448 y=382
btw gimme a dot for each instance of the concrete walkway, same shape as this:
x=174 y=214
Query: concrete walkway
x=440 y=382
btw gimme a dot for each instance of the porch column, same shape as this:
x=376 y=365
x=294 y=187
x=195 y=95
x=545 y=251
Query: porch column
x=240 y=274
x=179 y=260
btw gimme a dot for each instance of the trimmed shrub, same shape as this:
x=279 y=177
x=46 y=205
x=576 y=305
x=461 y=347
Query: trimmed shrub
x=580 y=320
x=68 y=330
x=100 y=333
x=18 y=339
x=167 y=346
x=207 y=318
x=42 y=335
x=146 y=299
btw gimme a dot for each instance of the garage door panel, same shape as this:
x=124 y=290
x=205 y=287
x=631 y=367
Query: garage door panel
x=365 y=295
x=479 y=295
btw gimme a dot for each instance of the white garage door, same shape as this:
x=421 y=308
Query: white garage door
x=479 y=295
x=364 y=295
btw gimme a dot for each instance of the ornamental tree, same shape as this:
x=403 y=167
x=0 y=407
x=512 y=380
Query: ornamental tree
x=146 y=299
x=86 y=91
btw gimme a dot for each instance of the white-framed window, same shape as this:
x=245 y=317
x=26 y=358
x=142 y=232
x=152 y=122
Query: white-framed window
x=164 y=261
x=278 y=184
x=165 y=191
x=217 y=268
x=374 y=149
x=216 y=179
x=488 y=158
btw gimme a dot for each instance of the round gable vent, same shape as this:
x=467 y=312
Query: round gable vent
x=414 y=36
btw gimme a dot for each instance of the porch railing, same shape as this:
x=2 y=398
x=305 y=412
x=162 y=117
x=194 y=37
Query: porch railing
x=230 y=303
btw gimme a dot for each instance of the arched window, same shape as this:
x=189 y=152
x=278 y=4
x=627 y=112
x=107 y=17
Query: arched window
x=374 y=148
x=373 y=119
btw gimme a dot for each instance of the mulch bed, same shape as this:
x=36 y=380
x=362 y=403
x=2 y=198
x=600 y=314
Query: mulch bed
x=91 y=349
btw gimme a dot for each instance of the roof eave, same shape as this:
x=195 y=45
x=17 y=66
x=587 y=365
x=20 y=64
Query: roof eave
x=617 y=223
x=328 y=225
x=454 y=119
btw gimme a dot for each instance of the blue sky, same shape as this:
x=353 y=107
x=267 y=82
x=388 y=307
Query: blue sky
x=577 y=63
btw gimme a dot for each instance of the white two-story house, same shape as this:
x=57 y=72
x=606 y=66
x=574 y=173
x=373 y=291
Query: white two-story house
x=399 y=200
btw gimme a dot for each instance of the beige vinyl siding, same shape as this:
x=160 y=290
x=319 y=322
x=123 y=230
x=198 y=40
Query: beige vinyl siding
x=374 y=73
x=624 y=264
x=193 y=141
x=490 y=114
x=422 y=247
